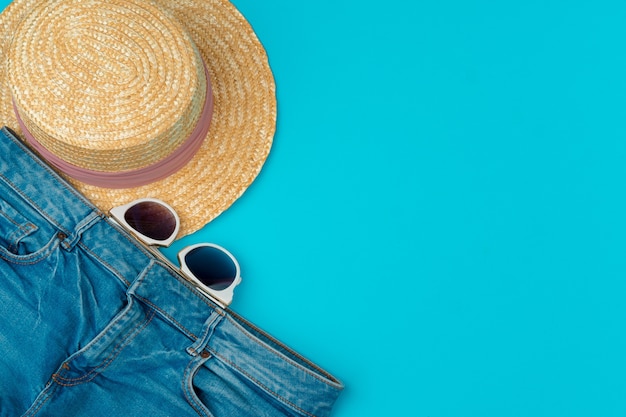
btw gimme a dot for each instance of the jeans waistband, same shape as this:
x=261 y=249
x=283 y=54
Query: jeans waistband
x=269 y=364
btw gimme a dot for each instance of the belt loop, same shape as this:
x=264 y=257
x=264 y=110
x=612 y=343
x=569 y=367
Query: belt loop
x=207 y=331
x=69 y=240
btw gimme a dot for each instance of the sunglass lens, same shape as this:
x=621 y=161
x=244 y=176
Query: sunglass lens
x=151 y=219
x=211 y=266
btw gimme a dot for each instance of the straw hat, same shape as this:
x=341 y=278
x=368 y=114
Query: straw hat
x=140 y=98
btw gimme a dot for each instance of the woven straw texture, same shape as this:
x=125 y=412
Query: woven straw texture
x=118 y=85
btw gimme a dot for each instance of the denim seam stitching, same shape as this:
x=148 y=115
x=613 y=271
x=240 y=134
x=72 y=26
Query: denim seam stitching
x=263 y=386
x=24 y=228
x=31 y=258
x=50 y=390
x=47 y=168
x=116 y=351
x=105 y=263
x=35 y=206
x=32 y=203
x=126 y=234
x=194 y=401
x=167 y=316
x=154 y=307
x=15 y=237
x=178 y=275
x=283 y=356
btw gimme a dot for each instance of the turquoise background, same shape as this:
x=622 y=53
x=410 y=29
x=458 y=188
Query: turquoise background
x=440 y=222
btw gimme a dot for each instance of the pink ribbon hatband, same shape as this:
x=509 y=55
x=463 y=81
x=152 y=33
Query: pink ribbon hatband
x=137 y=177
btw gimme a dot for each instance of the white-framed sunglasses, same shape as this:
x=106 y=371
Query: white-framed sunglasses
x=210 y=267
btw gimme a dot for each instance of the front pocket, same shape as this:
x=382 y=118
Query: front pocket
x=99 y=353
x=214 y=388
x=14 y=228
x=193 y=393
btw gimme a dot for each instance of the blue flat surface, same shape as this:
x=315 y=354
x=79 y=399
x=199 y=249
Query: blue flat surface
x=441 y=221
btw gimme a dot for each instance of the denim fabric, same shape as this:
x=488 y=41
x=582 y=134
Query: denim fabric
x=92 y=324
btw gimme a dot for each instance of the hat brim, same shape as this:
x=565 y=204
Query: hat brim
x=242 y=127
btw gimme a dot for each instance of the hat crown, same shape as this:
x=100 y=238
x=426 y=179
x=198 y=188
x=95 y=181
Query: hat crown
x=239 y=101
x=107 y=86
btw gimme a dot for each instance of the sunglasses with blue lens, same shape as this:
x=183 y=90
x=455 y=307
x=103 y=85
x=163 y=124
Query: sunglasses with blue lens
x=210 y=267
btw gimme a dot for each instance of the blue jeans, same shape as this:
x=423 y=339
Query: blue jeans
x=92 y=324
